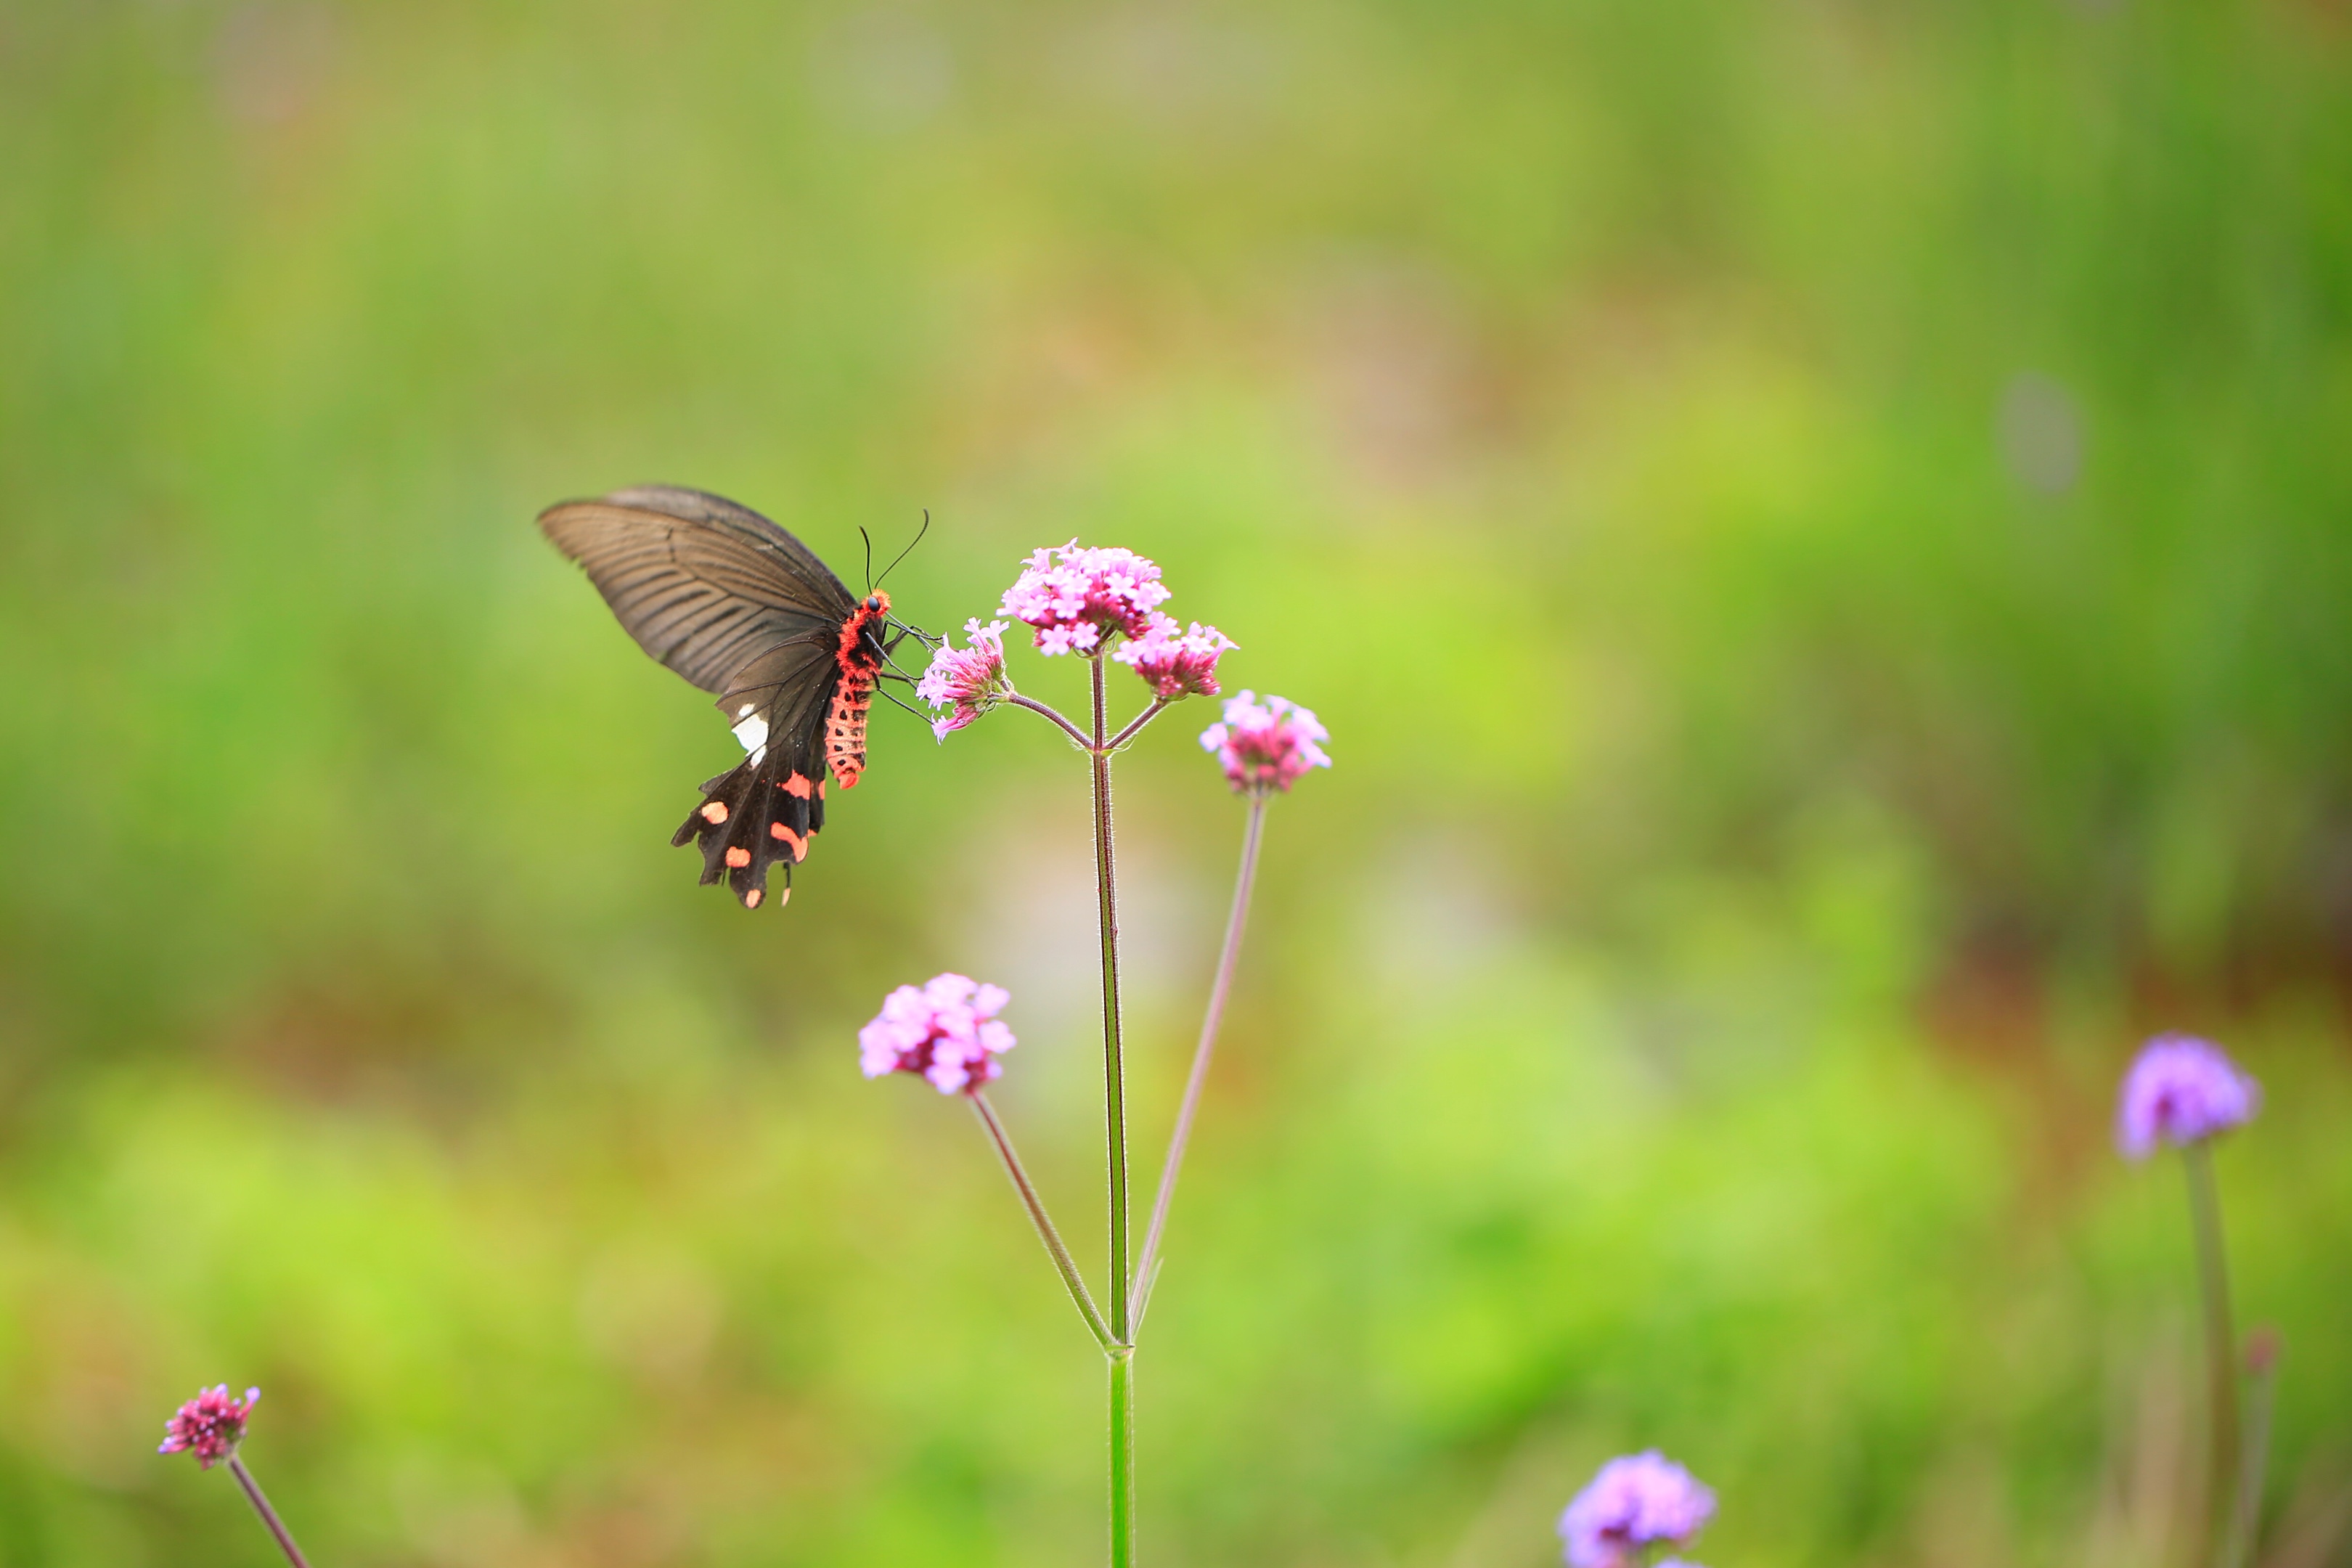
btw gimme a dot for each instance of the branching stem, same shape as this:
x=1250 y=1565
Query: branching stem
x=1252 y=835
x=1072 y=1280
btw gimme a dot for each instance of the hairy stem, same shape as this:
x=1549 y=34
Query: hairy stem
x=1121 y=1350
x=1072 y=1280
x=1159 y=706
x=1072 y=731
x=269 y=1514
x=2221 y=1344
x=1243 y=880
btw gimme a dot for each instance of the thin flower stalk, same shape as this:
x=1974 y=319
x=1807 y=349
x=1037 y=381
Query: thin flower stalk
x=1146 y=1268
x=2262 y=1388
x=2225 y=1481
x=277 y=1529
x=1072 y=731
x=1072 y=1280
x=1122 y=1348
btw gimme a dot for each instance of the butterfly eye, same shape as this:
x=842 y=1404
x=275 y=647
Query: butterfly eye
x=874 y=603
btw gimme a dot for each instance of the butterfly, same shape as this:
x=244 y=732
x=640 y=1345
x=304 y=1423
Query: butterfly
x=739 y=607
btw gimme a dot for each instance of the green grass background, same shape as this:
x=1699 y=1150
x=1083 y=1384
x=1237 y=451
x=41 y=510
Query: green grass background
x=1821 y=532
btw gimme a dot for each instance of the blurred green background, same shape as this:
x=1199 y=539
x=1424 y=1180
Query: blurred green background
x=1820 y=530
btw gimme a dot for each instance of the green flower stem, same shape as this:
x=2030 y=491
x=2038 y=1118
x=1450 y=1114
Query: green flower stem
x=1122 y=1455
x=2245 y=1519
x=1121 y=1350
x=269 y=1514
x=1072 y=1280
x=1146 y=1270
x=2220 y=1345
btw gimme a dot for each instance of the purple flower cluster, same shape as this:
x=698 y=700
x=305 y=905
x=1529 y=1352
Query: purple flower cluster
x=2179 y=1091
x=1072 y=597
x=210 y=1426
x=1176 y=663
x=947 y=1031
x=1265 y=745
x=1634 y=1502
x=969 y=680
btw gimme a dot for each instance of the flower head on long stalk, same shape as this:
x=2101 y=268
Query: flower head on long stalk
x=969 y=680
x=210 y=1426
x=1173 y=663
x=946 y=1031
x=1265 y=745
x=1636 y=1502
x=2181 y=1090
x=1074 y=597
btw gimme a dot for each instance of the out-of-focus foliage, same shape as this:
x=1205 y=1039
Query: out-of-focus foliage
x=1820 y=533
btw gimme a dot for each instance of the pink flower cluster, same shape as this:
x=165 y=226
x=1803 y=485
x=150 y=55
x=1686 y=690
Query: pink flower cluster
x=947 y=1031
x=2180 y=1090
x=970 y=679
x=1074 y=597
x=1265 y=745
x=1176 y=663
x=1634 y=1503
x=210 y=1426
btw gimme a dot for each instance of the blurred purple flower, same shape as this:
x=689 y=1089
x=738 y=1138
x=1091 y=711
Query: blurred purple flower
x=970 y=679
x=1265 y=745
x=1634 y=1502
x=947 y=1031
x=1176 y=663
x=2181 y=1089
x=210 y=1426
x=1072 y=597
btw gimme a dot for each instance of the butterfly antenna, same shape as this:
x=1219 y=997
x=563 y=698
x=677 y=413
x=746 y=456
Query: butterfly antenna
x=903 y=554
x=869 y=556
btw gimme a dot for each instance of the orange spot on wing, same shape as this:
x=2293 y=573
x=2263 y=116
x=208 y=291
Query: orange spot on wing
x=795 y=786
x=714 y=811
x=798 y=843
x=738 y=856
x=752 y=899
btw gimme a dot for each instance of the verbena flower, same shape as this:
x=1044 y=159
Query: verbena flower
x=947 y=1031
x=2181 y=1090
x=970 y=679
x=210 y=1426
x=1635 y=1501
x=1074 y=597
x=1265 y=745
x=1176 y=663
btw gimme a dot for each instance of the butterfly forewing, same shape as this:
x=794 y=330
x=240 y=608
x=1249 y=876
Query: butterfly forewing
x=703 y=585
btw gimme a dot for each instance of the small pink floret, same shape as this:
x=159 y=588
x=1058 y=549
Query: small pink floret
x=946 y=1030
x=210 y=1426
x=1072 y=597
x=1176 y=663
x=2181 y=1089
x=1266 y=745
x=1634 y=1503
x=967 y=681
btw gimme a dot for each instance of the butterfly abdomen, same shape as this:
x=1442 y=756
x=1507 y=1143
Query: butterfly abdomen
x=859 y=654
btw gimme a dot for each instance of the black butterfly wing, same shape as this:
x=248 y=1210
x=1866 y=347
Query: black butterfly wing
x=737 y=607
x=704 y=586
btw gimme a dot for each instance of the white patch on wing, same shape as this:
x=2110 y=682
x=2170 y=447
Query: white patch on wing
x=752 y=733
x=744 y=712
